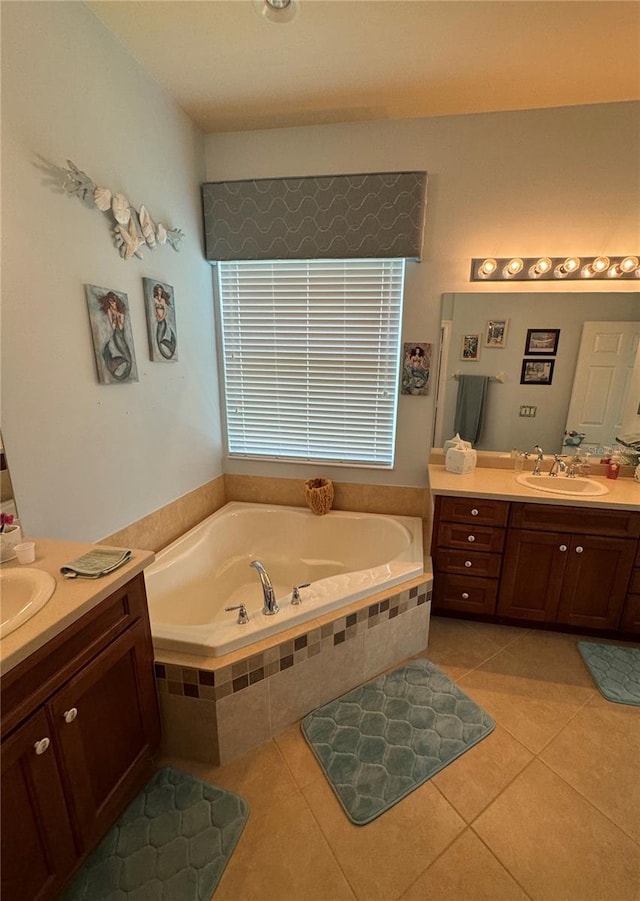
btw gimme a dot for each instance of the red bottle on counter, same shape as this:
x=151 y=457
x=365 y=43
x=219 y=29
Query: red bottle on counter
x=613 y=469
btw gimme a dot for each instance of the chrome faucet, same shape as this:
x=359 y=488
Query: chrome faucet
x=557 y=466
x=270 y=604
x=540 y=457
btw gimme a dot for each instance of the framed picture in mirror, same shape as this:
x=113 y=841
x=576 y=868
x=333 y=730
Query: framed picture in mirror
x=470 y=349
x=496 y=333
x=537 y=372
x=542 y=341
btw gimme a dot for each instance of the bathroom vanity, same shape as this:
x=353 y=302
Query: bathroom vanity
x=508 y=553
x=80 y=721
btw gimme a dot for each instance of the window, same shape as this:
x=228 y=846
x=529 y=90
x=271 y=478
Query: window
x=311 y=358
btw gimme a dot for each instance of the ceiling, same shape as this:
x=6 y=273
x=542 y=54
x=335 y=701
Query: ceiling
x=231 y=69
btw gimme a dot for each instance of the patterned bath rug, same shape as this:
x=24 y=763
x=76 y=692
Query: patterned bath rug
x=379 y=742
x=171 y=844
x=615 y=670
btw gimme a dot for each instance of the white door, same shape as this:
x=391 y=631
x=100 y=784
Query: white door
x=601 y=382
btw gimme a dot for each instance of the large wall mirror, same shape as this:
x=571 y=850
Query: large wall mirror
x=7 y=499
x=583 y=373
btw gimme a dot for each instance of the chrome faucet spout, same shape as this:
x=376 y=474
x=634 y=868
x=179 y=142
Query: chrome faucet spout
x=539 y=458
x=270 y=605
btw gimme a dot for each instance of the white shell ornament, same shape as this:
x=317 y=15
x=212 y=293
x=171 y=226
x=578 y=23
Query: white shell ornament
x=102 y=198
x=147 y=226
x=120 y=208
x=161 y=233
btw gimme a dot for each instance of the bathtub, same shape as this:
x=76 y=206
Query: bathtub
x=345 y=556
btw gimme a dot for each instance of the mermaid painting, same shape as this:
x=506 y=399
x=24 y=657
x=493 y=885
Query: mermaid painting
x=161 y=321
x=112 y=338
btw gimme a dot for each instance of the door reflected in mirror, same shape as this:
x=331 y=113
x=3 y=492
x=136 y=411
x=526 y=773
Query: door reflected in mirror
x=594 y=402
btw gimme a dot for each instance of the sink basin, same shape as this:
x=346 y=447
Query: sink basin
x=23 y=592
x=579 y=486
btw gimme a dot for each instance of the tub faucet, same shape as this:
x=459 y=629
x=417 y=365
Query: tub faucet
x=270 y=604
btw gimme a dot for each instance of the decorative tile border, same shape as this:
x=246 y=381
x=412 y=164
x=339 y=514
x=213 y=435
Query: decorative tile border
x=211 y=685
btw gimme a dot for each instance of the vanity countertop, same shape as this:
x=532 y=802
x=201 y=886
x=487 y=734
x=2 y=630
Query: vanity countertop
x=500 y=484
x=71 y=599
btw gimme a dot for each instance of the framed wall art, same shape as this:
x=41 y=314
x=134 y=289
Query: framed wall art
x=112 y=335
x=496 y=333
x=542 y=341
x=470 y=349
x=416 y=368
x=537 y=372
x=160 y=309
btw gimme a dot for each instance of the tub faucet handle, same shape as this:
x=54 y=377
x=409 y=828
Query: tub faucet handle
x=243 y=616
x=295 y=597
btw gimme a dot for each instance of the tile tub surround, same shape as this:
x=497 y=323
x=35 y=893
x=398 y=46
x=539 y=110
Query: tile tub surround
x=217 y=710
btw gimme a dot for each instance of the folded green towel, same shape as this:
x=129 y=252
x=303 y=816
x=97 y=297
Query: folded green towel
x=96 y=563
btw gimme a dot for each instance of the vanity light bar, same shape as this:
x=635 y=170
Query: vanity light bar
x=524 y=269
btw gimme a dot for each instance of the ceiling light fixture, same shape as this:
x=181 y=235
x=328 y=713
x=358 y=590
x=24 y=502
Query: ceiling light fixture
x=532 y=268
x=277 y=11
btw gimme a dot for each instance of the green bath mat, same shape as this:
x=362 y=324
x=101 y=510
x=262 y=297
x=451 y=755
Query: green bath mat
x=171 y=844
x=615 y=670
x=381 y=740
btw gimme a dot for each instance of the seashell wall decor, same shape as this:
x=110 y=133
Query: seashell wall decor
x=134 y=229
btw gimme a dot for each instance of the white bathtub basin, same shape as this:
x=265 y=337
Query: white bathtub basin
x=579 y=486
x=23 y=592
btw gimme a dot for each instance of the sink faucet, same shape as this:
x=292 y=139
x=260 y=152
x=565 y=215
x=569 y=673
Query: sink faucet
x=270 y=604
x=557 y=466
x=540 y=457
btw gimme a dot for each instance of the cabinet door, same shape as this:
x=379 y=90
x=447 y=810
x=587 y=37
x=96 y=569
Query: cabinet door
x=595 y=583
x=105 y=721
x=38 y=850
x=532 y=573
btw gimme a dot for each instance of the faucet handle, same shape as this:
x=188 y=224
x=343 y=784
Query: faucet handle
x=295 y=597
x=243 y=616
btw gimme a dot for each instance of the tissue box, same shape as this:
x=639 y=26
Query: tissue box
x=460 y=460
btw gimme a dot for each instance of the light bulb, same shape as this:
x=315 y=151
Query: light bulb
x=629 y=264
x=514 y=266
x=277 y=11
x=615 y=271
x=600 y=264
x=487 y=268
x=540 y=268
x=587 y=271
x=571 y=264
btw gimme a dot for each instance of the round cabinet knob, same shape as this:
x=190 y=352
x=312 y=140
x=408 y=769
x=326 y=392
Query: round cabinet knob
x=465 y=595
x=563 y=548
x=471 y=538
x=41 y=746
x=579 y=549
x=467 y=563
x=70 y=715
x=474 y=512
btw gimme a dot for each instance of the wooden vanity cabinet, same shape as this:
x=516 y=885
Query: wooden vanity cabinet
x=81 y=722
x=467 y=544
x=630 y=619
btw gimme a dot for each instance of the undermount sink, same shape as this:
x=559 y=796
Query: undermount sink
x=23 y=592
x=579 y=485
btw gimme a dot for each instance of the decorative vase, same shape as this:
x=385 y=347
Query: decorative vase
x=319 y=495
x=11 y=536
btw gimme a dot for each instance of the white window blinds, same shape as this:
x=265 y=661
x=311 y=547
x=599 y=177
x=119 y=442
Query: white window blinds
x=311 y=358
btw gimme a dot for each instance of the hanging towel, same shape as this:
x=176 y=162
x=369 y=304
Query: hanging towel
x=472 y=390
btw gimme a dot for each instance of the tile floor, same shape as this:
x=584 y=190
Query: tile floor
x=546 y=808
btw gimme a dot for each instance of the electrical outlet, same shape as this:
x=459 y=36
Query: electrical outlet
x=528 y=411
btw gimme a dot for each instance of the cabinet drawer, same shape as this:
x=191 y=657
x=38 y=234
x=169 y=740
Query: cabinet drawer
x=474 y=510
x=477 y=538
x=469 y=564
x=32 y=681
x=586 y=520
x=464 y=594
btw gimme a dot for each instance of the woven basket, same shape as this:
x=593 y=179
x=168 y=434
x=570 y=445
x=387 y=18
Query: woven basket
x=319 y=495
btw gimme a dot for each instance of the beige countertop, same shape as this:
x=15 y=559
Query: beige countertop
x=70 y=600
x=623 y=493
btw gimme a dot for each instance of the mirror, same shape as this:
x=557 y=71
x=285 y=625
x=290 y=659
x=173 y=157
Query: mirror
x=532 y=404
x=7 y=500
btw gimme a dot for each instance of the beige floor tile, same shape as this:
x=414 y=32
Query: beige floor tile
x=598 y=753
x=556 y=845
x=283 y=856
x=472 y=781
x=298 y=755
x=261 y=776
x=467 y=871
x=382 y=859
x=528 y=694
x=458 y=646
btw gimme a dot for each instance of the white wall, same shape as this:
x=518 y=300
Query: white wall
x=87 y=459
x=542 y=182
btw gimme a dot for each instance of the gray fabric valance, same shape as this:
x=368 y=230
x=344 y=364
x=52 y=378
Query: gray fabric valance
x=321 y=217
